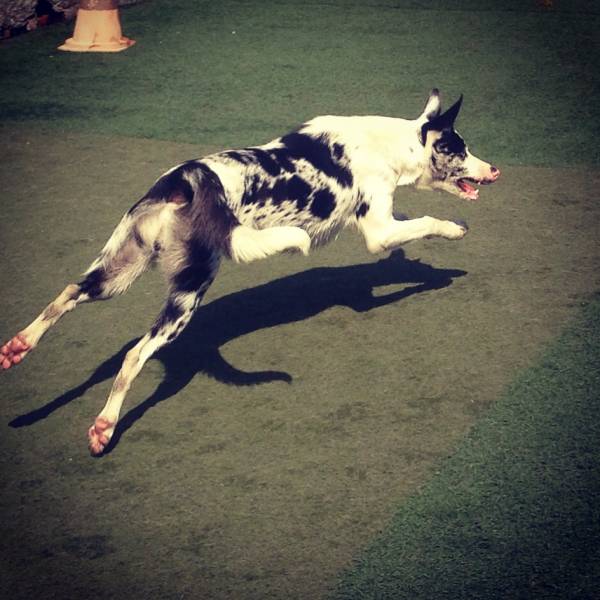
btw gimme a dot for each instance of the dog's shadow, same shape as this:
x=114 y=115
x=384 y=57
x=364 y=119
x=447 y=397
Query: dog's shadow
x=285 y=300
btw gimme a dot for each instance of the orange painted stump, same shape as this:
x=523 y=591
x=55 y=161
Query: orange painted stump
x=97 y=29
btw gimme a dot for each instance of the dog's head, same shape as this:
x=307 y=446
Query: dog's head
x=451 y=166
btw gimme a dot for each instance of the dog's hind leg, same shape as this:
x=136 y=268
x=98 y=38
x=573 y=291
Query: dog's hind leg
x=125 y=256
x=189 y=282
x=15 y=350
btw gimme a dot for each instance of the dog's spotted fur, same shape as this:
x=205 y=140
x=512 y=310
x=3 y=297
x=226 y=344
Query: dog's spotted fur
x=294 y=193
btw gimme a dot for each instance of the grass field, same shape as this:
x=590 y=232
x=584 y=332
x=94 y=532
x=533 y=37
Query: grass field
x=514 y=513
x=420 y=425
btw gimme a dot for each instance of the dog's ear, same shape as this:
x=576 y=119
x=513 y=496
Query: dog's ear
x=442 y=122
x=446 y=120
x=434 y=105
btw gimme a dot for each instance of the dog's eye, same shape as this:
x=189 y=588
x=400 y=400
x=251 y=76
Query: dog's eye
x=450 y=143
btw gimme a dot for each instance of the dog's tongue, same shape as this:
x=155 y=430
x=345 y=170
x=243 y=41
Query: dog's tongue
x=468 y=190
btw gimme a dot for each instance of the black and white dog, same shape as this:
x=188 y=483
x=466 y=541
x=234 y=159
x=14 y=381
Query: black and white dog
x=293 y=193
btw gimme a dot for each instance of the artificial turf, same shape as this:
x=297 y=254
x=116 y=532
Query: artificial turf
x=315 y=406
x=515 y=512
x=235 y=73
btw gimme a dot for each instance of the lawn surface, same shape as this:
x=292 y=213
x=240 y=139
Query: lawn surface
x=417 y=405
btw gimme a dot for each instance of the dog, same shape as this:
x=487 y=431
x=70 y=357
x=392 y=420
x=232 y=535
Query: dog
x=292 y=194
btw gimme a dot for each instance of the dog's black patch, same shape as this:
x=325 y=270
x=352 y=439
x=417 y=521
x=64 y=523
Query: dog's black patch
x=338 y=151
x=197 y=270
x=283 y=158
x=241 y=157
x=272 y=161
x=279 y=191
x=178 y=330
x=92 y=285
x=294 y=189
x=363 y=209
x=450 y=143
x=169 y=314
x=256 y=191
x=317 y=152
x=298 y=190
x=323 y=204
x=266 y=161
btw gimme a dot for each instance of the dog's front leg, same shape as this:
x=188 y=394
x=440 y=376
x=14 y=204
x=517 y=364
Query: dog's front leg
x=383 y=232
x=397 y=233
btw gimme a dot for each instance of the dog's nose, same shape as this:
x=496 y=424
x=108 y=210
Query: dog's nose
x=495 y=173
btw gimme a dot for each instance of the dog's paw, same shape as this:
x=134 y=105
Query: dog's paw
x=99 y=435
x=13 y=352
x=461 y=223
x=455 y=230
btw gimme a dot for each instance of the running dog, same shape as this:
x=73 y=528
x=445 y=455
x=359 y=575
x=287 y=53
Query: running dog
x=294 y=193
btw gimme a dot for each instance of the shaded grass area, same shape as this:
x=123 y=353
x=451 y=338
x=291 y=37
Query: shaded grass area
x=236 y=73
x=515 y=513
x=262 y=450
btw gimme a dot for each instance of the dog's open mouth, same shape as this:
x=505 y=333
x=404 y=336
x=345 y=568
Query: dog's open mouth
x=468 y=189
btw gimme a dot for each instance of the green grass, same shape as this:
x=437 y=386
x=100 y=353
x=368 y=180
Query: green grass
x=515 y=513
x=225 y=490
x=235 y=73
